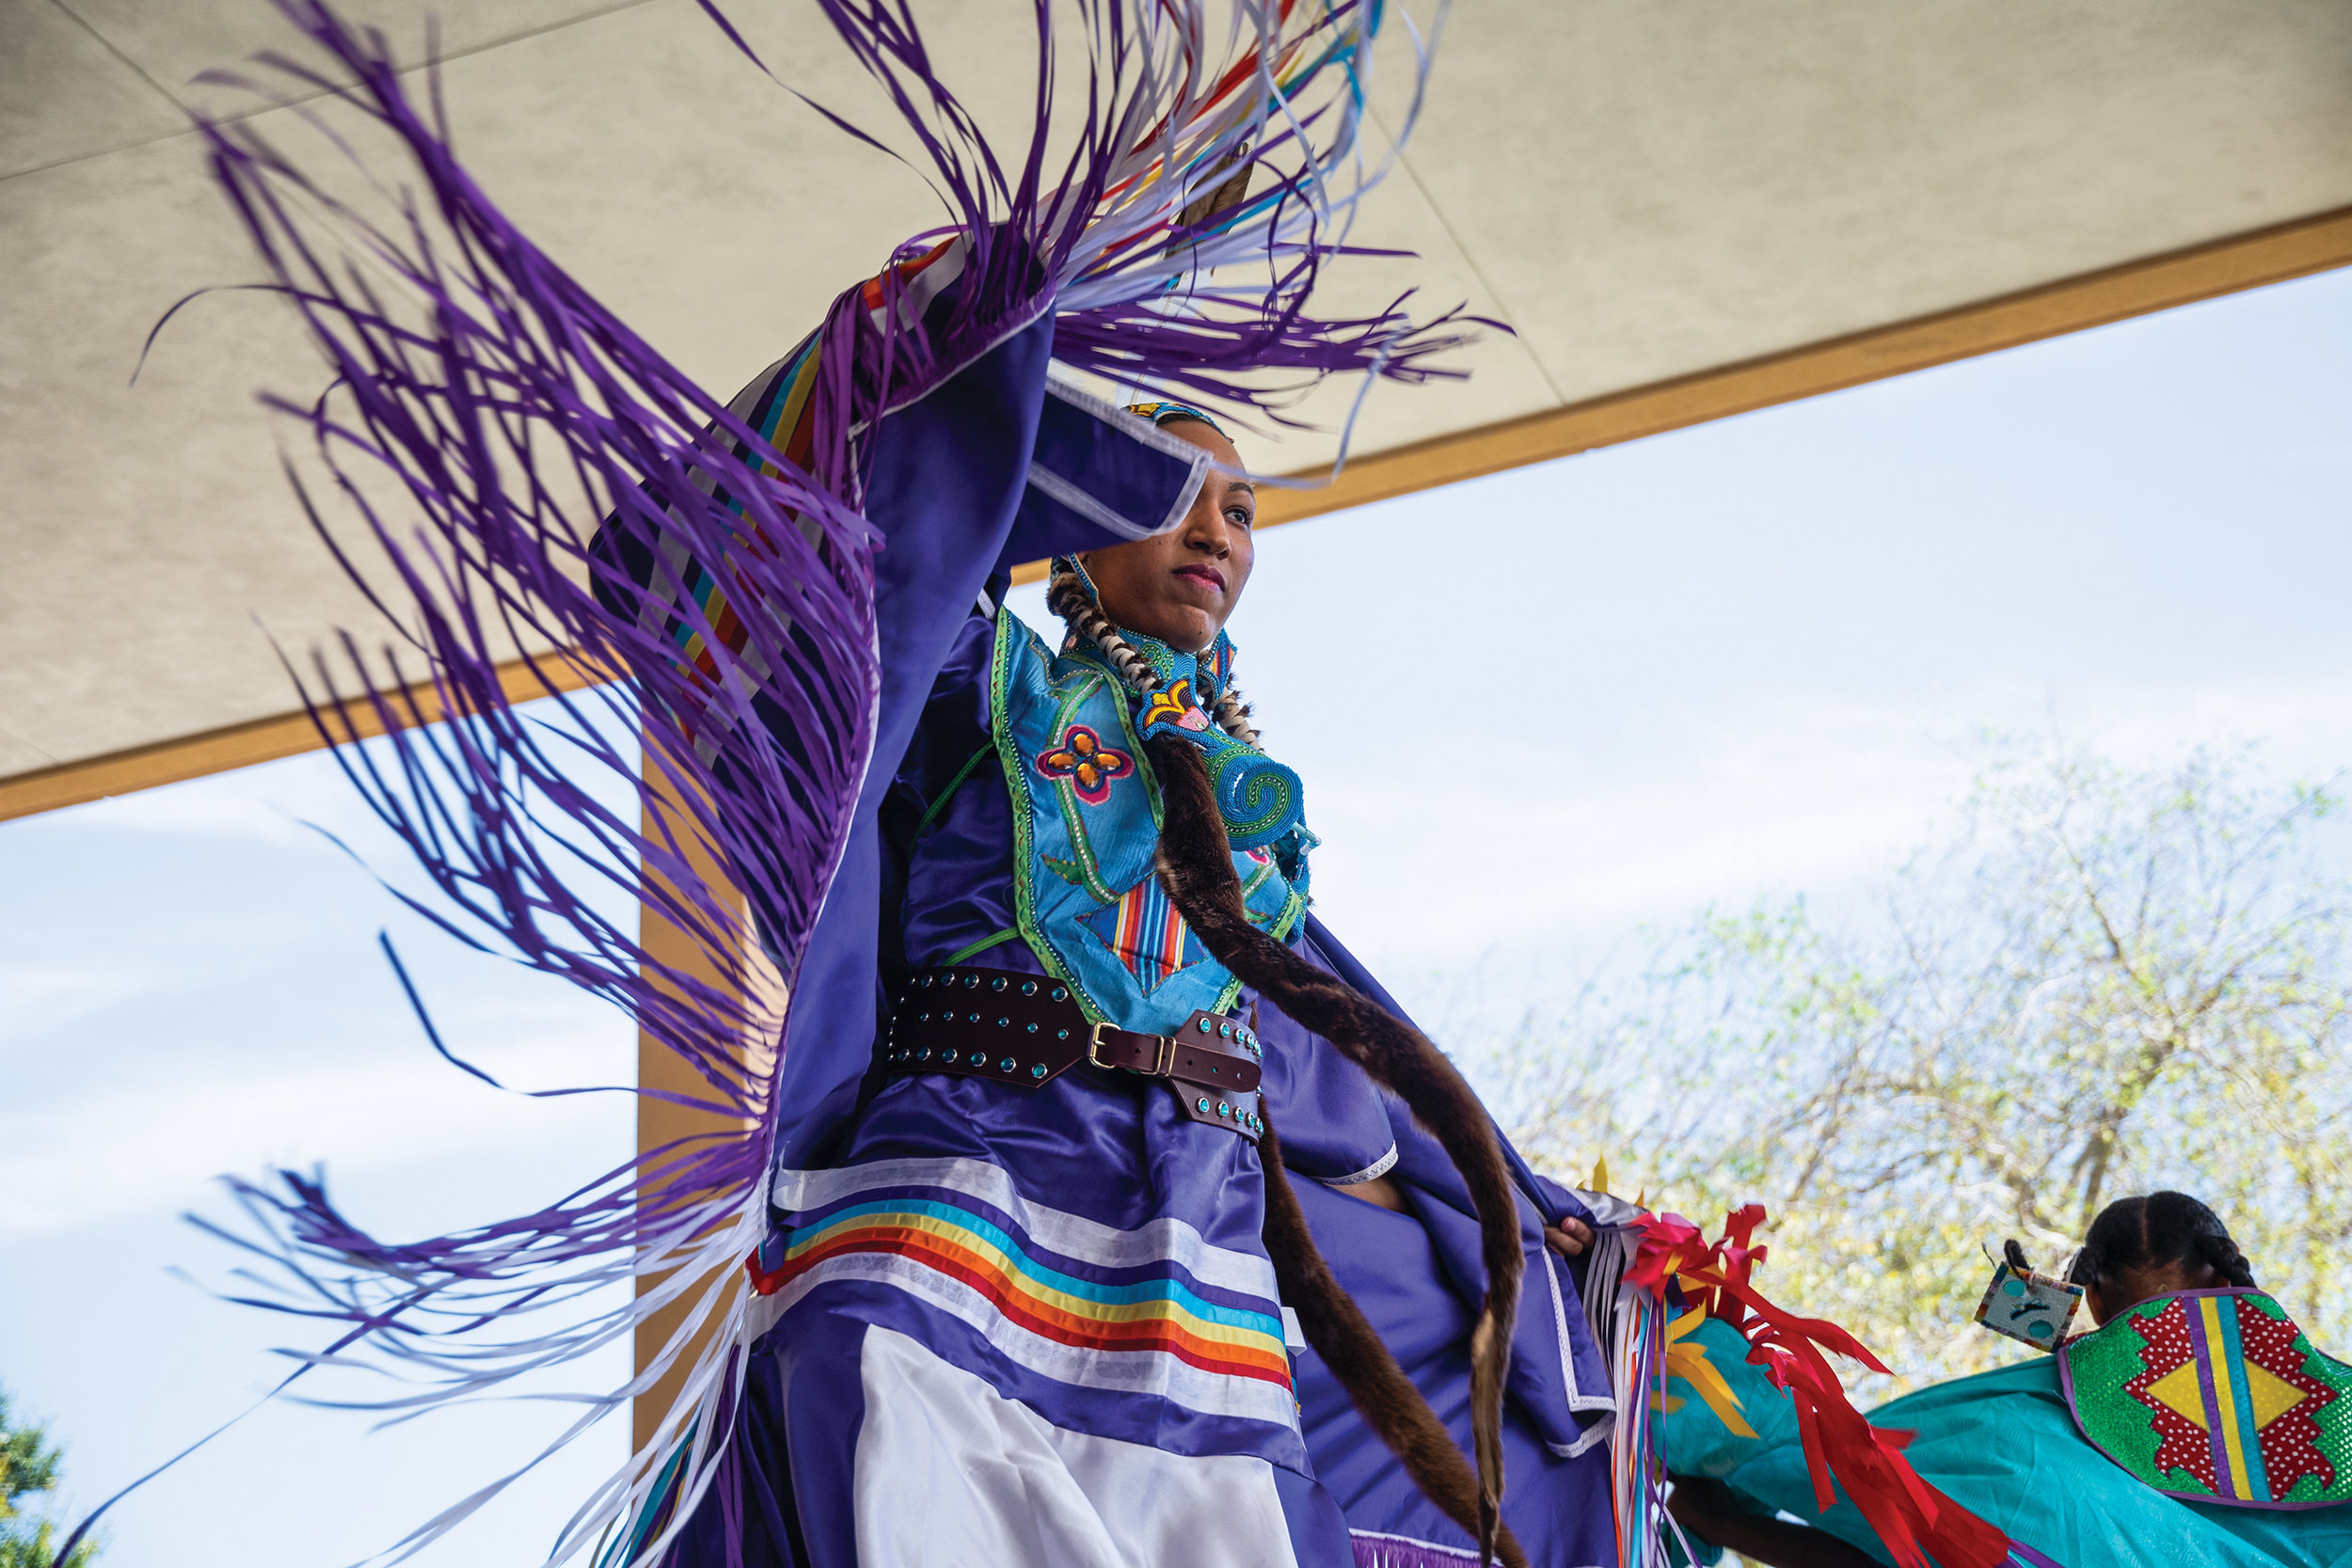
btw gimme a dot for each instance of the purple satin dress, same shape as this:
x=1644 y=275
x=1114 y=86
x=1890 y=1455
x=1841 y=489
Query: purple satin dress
x=937 y=1385
x=1038 y=1325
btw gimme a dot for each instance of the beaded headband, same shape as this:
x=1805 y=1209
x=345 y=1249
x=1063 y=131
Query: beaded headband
x=1161 y=412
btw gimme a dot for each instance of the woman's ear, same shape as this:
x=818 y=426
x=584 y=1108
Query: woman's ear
x=2095 y=1298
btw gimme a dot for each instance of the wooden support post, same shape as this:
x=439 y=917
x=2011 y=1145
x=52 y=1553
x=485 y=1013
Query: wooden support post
x=660 y=1122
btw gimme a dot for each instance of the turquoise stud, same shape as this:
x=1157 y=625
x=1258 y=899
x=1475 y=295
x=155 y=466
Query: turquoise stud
x=1037 y=1069
x=1204 y=1101
x=1006 y=1065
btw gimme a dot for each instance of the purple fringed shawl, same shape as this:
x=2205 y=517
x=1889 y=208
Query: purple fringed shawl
x=491 y=387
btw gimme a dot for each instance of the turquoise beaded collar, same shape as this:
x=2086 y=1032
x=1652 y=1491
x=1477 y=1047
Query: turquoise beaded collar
x=1261 y=800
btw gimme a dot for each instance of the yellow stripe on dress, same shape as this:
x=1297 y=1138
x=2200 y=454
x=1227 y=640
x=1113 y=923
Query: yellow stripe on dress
x=2233 y=1438
x=1008 y=1269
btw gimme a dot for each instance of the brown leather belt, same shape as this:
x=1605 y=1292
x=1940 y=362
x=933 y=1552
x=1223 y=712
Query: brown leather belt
x=1028 y=1030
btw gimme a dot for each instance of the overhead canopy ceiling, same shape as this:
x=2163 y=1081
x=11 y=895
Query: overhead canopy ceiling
x=1642 y=191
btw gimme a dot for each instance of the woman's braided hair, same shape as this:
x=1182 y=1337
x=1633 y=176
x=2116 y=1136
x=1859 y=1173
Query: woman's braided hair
x=2135 y=1234
x=1196 y=867
x=1067 y=598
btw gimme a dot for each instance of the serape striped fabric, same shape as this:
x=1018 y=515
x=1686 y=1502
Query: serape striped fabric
x=1147 y=934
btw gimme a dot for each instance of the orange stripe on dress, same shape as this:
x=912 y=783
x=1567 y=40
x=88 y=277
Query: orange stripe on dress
x=1003 y=1290
x=1144 y=1334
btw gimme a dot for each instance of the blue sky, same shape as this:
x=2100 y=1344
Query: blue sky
x=1535 y=713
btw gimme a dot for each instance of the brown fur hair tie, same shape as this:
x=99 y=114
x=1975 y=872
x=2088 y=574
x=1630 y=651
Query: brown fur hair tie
x=1195 y=866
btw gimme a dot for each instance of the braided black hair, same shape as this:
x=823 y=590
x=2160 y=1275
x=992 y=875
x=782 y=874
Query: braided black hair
x=1196 y=866
x=2135 y=1234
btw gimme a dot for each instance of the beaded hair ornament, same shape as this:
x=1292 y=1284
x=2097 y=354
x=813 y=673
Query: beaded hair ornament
x=1168 y=413
x=1071 y=596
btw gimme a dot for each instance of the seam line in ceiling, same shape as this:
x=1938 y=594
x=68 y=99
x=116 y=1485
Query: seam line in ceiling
x=1558 y=398
x=54 y=760
x=109 y=45
x=177 y=102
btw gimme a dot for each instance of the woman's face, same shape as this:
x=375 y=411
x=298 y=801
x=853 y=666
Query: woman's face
x=1180 y=586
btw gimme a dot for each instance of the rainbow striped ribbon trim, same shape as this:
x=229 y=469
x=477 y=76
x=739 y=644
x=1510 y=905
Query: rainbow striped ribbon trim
x=779 y=406
x=1156 y=1311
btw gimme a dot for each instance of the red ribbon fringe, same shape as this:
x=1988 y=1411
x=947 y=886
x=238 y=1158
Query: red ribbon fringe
x=1919 y=1524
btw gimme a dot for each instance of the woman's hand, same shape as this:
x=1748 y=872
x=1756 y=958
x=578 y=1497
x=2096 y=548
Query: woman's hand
x=1569 y=1238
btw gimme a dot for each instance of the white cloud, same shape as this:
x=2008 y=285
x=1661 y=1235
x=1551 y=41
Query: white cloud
x=1541 y=847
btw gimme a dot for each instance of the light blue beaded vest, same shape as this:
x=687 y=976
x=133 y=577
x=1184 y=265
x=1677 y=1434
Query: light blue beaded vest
x=1086 y=813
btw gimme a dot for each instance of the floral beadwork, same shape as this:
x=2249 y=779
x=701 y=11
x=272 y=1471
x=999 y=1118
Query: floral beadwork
x=1087 y=763
x=1174 y=705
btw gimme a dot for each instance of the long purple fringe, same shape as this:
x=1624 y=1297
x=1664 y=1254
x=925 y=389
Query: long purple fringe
x=480 y=377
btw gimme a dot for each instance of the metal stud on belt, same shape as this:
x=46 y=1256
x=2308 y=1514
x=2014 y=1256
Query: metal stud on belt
x=1026 y=1030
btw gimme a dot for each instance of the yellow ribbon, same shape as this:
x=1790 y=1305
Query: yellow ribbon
x=1686 y=1358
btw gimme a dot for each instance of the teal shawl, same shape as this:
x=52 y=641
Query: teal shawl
x=2001 y=1444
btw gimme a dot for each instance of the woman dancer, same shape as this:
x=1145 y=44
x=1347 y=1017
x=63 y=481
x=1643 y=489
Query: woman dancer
x=2100 y=1455
x=1019 y=1265
x=999 y=1245
x=1029 y=1306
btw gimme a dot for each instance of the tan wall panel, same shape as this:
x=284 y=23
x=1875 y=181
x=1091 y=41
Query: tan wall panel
x=1652 y=189
x=659 y=1123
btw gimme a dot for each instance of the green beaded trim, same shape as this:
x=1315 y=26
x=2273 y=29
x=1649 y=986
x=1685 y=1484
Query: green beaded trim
x=1024 y=832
